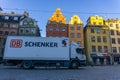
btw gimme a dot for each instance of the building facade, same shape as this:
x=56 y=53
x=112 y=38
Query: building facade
x=114 y=26
x=28 y=27
x=97 y=41
x=56 y=25
x=8 y=27
x=76 y=30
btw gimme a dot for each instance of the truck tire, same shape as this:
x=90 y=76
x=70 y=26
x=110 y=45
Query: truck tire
x=74 y=65
x=27 y=64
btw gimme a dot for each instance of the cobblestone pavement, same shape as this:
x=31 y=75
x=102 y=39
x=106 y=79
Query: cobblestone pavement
x=84 y=73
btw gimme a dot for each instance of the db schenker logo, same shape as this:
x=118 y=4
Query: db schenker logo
x=16 y=43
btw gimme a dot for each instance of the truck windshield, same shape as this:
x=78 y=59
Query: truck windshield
x=80 y=50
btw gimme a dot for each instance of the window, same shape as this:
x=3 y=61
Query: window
x=27 y=31
x=1 y=24
x=16 y=18
x=71 y=35
x=93 y=38
x=118 y=40
x=114 y=49
x=117 y=26
x=113 y=40
x=97 y=30
x=57 y=29
x=13 y=25
x=21 y=31
x=93 y=48
x=30 y=23
x=78 y=28
x=100 y=23
x=104 y=31
x=71 y=28
x=112 y=32
x=104 y=39
x=12 y=33
x=98 y=39
x=6 y=25
x=99 y=48
x=1 y=32
x=63 y=29
x=78 y=35
x=118 y=32
x=111 y=25
x=57 y=15
x=79 y=43
x=94 y=23
x=6 y=33
x=25 y=23
x=92 y=30
x=119 y=49
x=33 y=30
x=105 y=49
x=50 y=29
x=6 y=17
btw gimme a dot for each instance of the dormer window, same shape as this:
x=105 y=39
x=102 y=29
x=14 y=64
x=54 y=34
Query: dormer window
x=6 y=17
x=16 y=18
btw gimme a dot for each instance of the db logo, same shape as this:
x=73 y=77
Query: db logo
x=16 y=43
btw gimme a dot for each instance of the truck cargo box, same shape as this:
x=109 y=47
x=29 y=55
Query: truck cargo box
x=36 y=48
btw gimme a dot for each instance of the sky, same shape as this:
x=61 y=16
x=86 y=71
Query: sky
x=41 y=10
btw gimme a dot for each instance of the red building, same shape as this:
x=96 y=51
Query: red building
x=56 y=26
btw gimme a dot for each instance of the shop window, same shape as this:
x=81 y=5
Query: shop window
x=113 y=41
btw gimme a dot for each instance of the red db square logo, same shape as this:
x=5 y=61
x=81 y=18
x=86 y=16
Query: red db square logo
x=16 y=43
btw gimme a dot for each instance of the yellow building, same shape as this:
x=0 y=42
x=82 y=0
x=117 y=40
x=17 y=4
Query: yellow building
x=76 y=30
x=114 y=26
x=97 y=40
x=58 y=17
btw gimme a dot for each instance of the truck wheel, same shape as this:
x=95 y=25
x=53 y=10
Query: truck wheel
x=74 y=65
x=27 y=64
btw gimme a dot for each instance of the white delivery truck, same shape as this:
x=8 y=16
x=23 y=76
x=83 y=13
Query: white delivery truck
x=29 y=52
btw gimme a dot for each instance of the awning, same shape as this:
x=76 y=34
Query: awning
x=106 y=55
x=99 y=55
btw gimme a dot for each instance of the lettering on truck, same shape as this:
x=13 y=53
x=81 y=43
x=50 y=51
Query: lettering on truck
x=17 y=43
x=41 y=44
